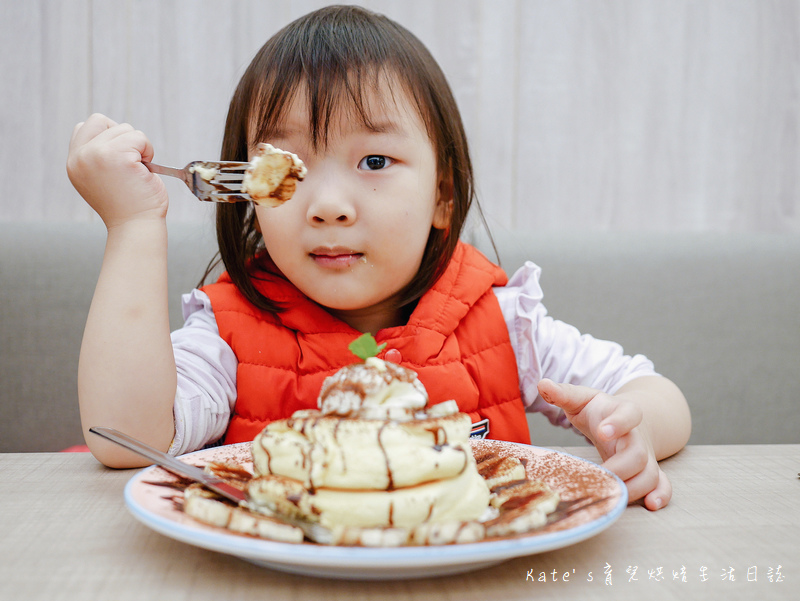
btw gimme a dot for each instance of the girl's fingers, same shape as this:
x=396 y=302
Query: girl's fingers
x=642 y=476
x=120 y=142
x=630 y=457
x=91 y=128
x=145 y=147
x=644 y=482
x=100 y=130
x=114 y=132
x=660 y=496
x=124 y=136
x=623 y=419
x=569 y=397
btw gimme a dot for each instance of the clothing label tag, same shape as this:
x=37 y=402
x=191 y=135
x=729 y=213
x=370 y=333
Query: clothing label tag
x=480 y=429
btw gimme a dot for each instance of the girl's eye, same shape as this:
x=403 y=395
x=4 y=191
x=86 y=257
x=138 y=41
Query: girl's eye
x=373 y=162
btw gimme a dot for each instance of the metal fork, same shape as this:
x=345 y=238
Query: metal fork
x=212 y=181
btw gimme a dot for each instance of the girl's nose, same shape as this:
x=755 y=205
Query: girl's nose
x=331 y=205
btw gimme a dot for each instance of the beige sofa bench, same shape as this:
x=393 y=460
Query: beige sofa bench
x=717 y=313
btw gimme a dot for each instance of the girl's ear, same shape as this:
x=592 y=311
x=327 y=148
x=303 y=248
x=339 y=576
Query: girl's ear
x=443 y=213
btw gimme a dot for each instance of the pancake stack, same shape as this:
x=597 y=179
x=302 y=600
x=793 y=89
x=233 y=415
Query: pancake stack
x=373 y=456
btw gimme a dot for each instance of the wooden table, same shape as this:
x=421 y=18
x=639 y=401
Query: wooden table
x=732 y=531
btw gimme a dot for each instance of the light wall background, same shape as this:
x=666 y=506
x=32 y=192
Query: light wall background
x=601 y=115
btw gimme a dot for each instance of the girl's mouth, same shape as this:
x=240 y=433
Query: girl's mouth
x=336 y=258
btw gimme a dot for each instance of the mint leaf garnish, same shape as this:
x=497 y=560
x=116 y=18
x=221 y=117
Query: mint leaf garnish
x=365 y=347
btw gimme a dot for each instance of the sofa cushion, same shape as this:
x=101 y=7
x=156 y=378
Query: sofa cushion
x=717 y=313
x=48 y=273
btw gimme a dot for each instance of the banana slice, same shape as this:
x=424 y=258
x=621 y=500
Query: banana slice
x=524 y=506
x=209 y=508
x=499 y=471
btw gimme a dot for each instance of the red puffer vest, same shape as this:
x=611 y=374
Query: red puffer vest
x=456 y=340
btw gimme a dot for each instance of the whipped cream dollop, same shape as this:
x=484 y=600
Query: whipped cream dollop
x=377 y=389
x=204 y=171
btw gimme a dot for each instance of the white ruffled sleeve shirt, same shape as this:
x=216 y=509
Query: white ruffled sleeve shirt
x=544 y=348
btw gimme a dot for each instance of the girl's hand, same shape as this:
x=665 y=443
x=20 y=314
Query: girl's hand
x=105 y=166
x=615 y=427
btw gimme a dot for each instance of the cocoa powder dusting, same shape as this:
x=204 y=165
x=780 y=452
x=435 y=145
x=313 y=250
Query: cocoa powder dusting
x=571 y=477
x=522 y=500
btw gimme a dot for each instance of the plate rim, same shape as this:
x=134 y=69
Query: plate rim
x=365 y=559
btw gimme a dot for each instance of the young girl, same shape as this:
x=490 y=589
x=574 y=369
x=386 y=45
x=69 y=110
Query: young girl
x=369 y=243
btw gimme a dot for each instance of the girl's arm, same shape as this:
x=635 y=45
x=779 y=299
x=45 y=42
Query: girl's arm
x=645 y=421
x=126 y=374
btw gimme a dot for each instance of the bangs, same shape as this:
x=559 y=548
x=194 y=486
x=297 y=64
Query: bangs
x=329 y=97
x=339 y=66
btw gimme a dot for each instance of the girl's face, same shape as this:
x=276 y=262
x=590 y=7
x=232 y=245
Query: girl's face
x=354 y=233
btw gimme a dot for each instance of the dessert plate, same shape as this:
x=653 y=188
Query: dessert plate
x=154 y=504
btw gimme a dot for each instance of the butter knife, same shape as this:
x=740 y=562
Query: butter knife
x=172 y=465
x=315 y=532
